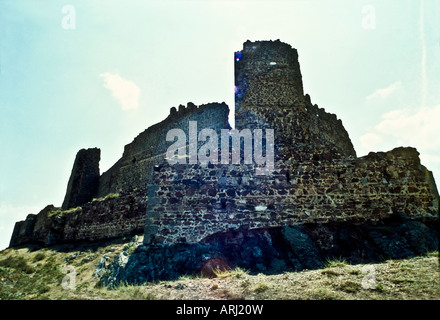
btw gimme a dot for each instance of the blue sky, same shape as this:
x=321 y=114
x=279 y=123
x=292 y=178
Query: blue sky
x=81 y=74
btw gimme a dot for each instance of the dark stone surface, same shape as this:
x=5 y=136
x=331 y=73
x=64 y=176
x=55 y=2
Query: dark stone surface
x=84 y=179
x=302 y=247
x=150 y=146
x=421 y=238
x=156 y=262
x=392 y=244
x=275 y=250
x=104 y=219
x=23 y=231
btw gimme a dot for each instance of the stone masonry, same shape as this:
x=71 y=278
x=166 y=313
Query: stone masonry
x=319 y=201
x=135 y=167
x=126 y=181
x=84 y=180
x=317 y=177
x=98 y=220
x=189 y=204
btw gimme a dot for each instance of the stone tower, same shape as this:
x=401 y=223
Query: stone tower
x=267 y=76
x=84 y=179
x=269 y=94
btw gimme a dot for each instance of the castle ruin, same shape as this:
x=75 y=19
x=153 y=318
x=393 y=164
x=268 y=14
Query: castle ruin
x=320 y=200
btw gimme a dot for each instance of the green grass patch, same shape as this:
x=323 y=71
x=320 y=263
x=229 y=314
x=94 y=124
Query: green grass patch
x=324 y=294
x=350 y=286
x=21 y=281
x=17 y=263
x=134 y=292
x=39 y=256
x=109 y=196
x=233 y=273
x=29 y=274
x=403 y=280
x=335 y=262
x=261 y=287
x=59 y=211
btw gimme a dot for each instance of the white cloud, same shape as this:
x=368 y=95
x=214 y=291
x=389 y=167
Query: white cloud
x=418 y=128
x=415 y=128
x=370 y=140
x=385 y=92
x=126 y=92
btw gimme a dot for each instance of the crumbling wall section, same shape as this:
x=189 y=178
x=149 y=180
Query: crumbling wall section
x=84 y=179
x=134 y=169
x=102 y=219
x=188 y=203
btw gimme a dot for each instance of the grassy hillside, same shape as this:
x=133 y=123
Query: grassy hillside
x=29 y=274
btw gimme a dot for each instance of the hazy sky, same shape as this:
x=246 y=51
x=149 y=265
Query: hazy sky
x=81 y=74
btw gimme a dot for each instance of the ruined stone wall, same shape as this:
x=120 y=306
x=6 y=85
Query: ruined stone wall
x=328 y=131
x=134 y=169
x=120 y=215
x=189 y=203
x=317 y=178
x=84 y=179
x=105 y=219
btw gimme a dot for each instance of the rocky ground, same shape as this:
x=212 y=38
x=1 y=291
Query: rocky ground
x=71 y=273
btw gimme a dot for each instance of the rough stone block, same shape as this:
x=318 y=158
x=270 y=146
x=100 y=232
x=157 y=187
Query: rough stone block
x=84 y=179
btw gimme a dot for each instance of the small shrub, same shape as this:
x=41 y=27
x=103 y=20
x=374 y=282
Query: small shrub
x=433 y=254
x=39 y=256
x=405 y=266
x=18 y=263
x=379 y=288
x=261 y=287
x=228 y=273
x=350 y=286
x=332 y=263
x=214 y=268
x=238 y=272
x=245 y=284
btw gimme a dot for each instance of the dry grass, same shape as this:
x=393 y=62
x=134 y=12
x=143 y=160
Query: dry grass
x=27 y=274
x=109 y=196
x=59 y=211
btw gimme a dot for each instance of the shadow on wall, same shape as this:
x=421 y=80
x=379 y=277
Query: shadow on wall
x=276 y=250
